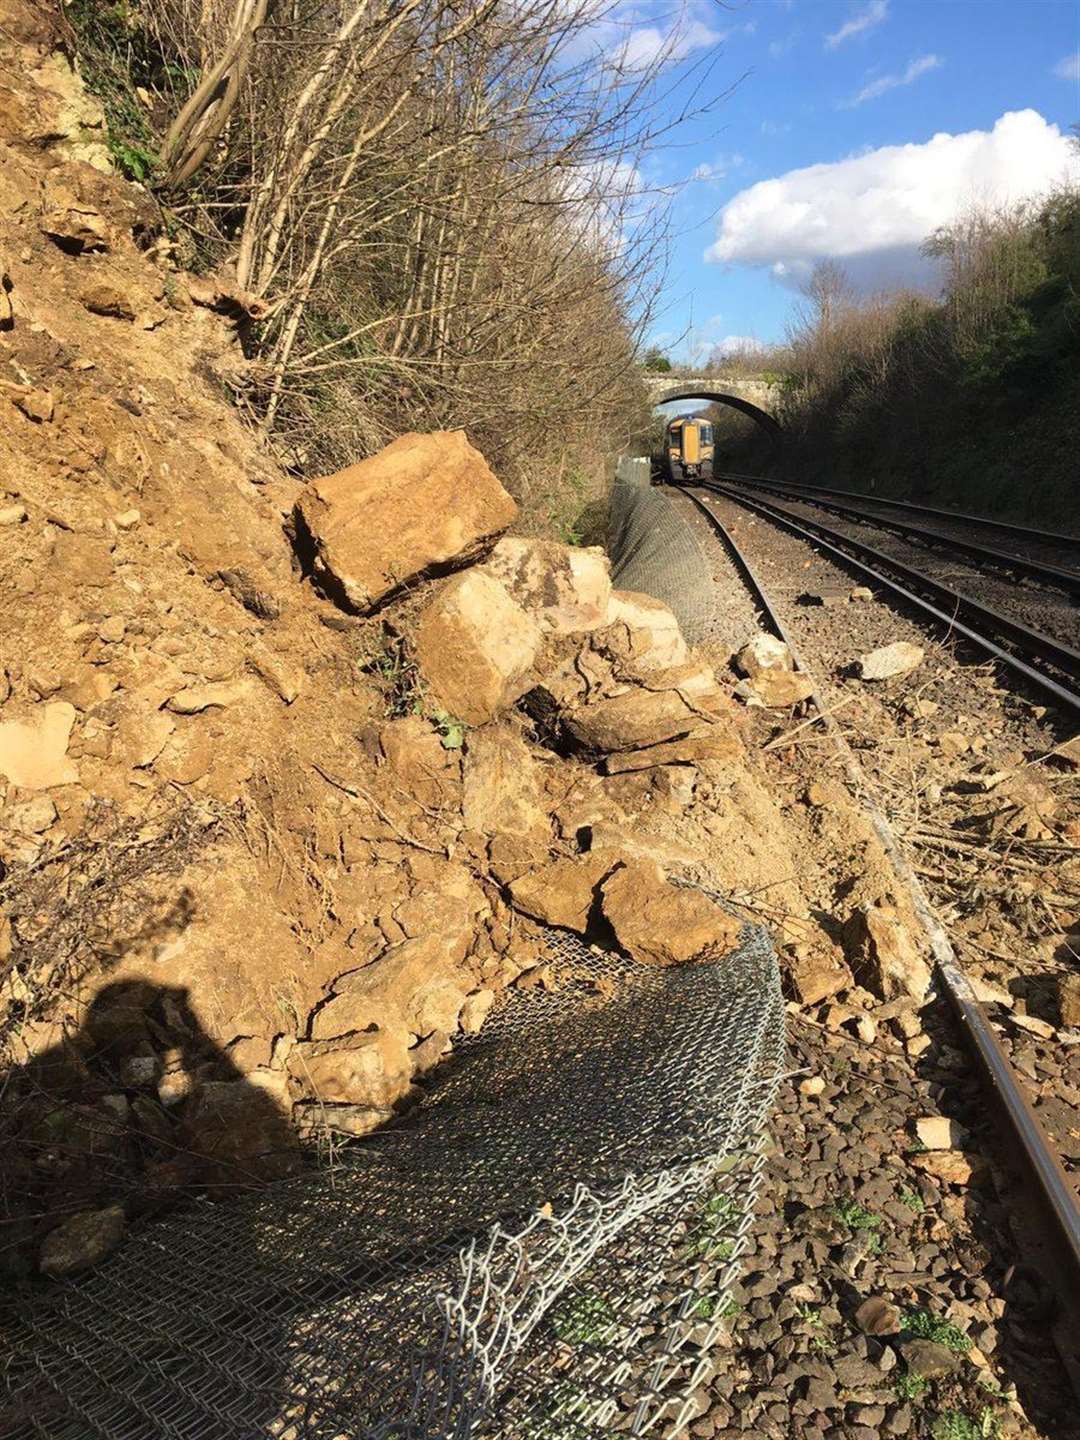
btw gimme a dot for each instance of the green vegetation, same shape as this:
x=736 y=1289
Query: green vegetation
x=822 y=1340
x=708 y=1239
x=117 y=53
x=656 y=360
x=583 y=1319
x=925 y=1326
x=911 y=1387
x=855 y=1216
x=971 y=399
x=957 y=1425
x=451 y=731
x=912 y=1199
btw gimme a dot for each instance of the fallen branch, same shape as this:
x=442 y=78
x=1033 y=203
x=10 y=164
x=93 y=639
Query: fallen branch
x=813 y=720
x=358 y=793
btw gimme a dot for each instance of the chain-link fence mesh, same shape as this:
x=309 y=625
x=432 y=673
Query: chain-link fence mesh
x=655 y=549
x=541 y=1250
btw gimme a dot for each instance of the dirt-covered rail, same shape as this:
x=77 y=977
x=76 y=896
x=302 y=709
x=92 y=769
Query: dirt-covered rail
x=1049 y=664
x=1029 y=1150
x=1066 y=577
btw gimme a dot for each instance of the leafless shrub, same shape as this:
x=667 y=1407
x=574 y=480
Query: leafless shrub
x=439 y=210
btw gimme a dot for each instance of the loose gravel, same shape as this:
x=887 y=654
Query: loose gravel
x=849 y=1215
x=855 y=1210
x=1032 y=603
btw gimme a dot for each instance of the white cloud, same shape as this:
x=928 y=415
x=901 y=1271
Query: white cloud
x=646 y=45
x=737 y=345
x=718 y=169
x=872 y=211
x=866 y=19
x=884 y=83
x=1069 y=68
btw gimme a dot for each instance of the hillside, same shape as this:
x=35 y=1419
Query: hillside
x=268 y=806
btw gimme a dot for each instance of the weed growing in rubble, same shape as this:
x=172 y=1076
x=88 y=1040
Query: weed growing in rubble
x=956 y=1425
x=451 y=731
x=925 y=1326
x=708 y=1237
x=912 y=1199
x=855 y=1216
x=822 y=1342
x=582 y=1319
x=911 y=1387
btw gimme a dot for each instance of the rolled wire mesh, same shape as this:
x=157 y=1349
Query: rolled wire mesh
x=655 y=550
x=542 y=1249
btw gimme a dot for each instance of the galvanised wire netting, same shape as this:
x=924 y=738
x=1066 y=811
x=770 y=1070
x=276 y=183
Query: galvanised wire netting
x=654 y=549
x=543 y=1249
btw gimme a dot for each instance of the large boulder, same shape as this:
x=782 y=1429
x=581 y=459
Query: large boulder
x=476 y=647
x=424 y=503
x=659 y=923
x=567 y=589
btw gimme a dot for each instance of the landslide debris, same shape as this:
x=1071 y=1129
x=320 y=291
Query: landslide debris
x=266 y=858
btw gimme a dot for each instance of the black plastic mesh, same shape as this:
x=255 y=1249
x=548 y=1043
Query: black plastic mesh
x=541 y=1250
x=654 y=549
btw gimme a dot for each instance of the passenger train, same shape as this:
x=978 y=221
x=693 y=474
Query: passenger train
x=688 y=449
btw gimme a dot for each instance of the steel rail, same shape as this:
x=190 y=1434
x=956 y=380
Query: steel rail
x=1031 y=641
x=1056 y=574
x=1044 y=537
x=1032 y=1147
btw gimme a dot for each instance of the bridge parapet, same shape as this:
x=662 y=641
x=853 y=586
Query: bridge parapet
x=748 y=394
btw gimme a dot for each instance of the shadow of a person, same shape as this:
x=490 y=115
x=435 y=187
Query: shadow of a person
x=137 y=1111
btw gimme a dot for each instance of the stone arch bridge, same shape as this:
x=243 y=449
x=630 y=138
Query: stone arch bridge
x=751 y=395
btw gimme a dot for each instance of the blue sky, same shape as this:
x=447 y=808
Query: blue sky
x=859 y=89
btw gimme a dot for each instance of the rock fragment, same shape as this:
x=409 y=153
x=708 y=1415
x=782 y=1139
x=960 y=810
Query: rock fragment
x=878 y=1316
x=937 y=1132
x=885 y=954
x=659 y=923
x=899 y=658
x=33 y=754
x=424 y=503
x=645 y=631
x=195 y=698
x=776 y=689
x=370 y=1069
x=763 y=652
x=1069 y=1001
x=476 y=647
x=565 y=893
x=502 y=785
x=82 y=1241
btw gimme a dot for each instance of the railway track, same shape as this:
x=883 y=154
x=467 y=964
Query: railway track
x=1051 y=1202
x=1041 y=660
x=1017 y=534
x=1067 y=577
